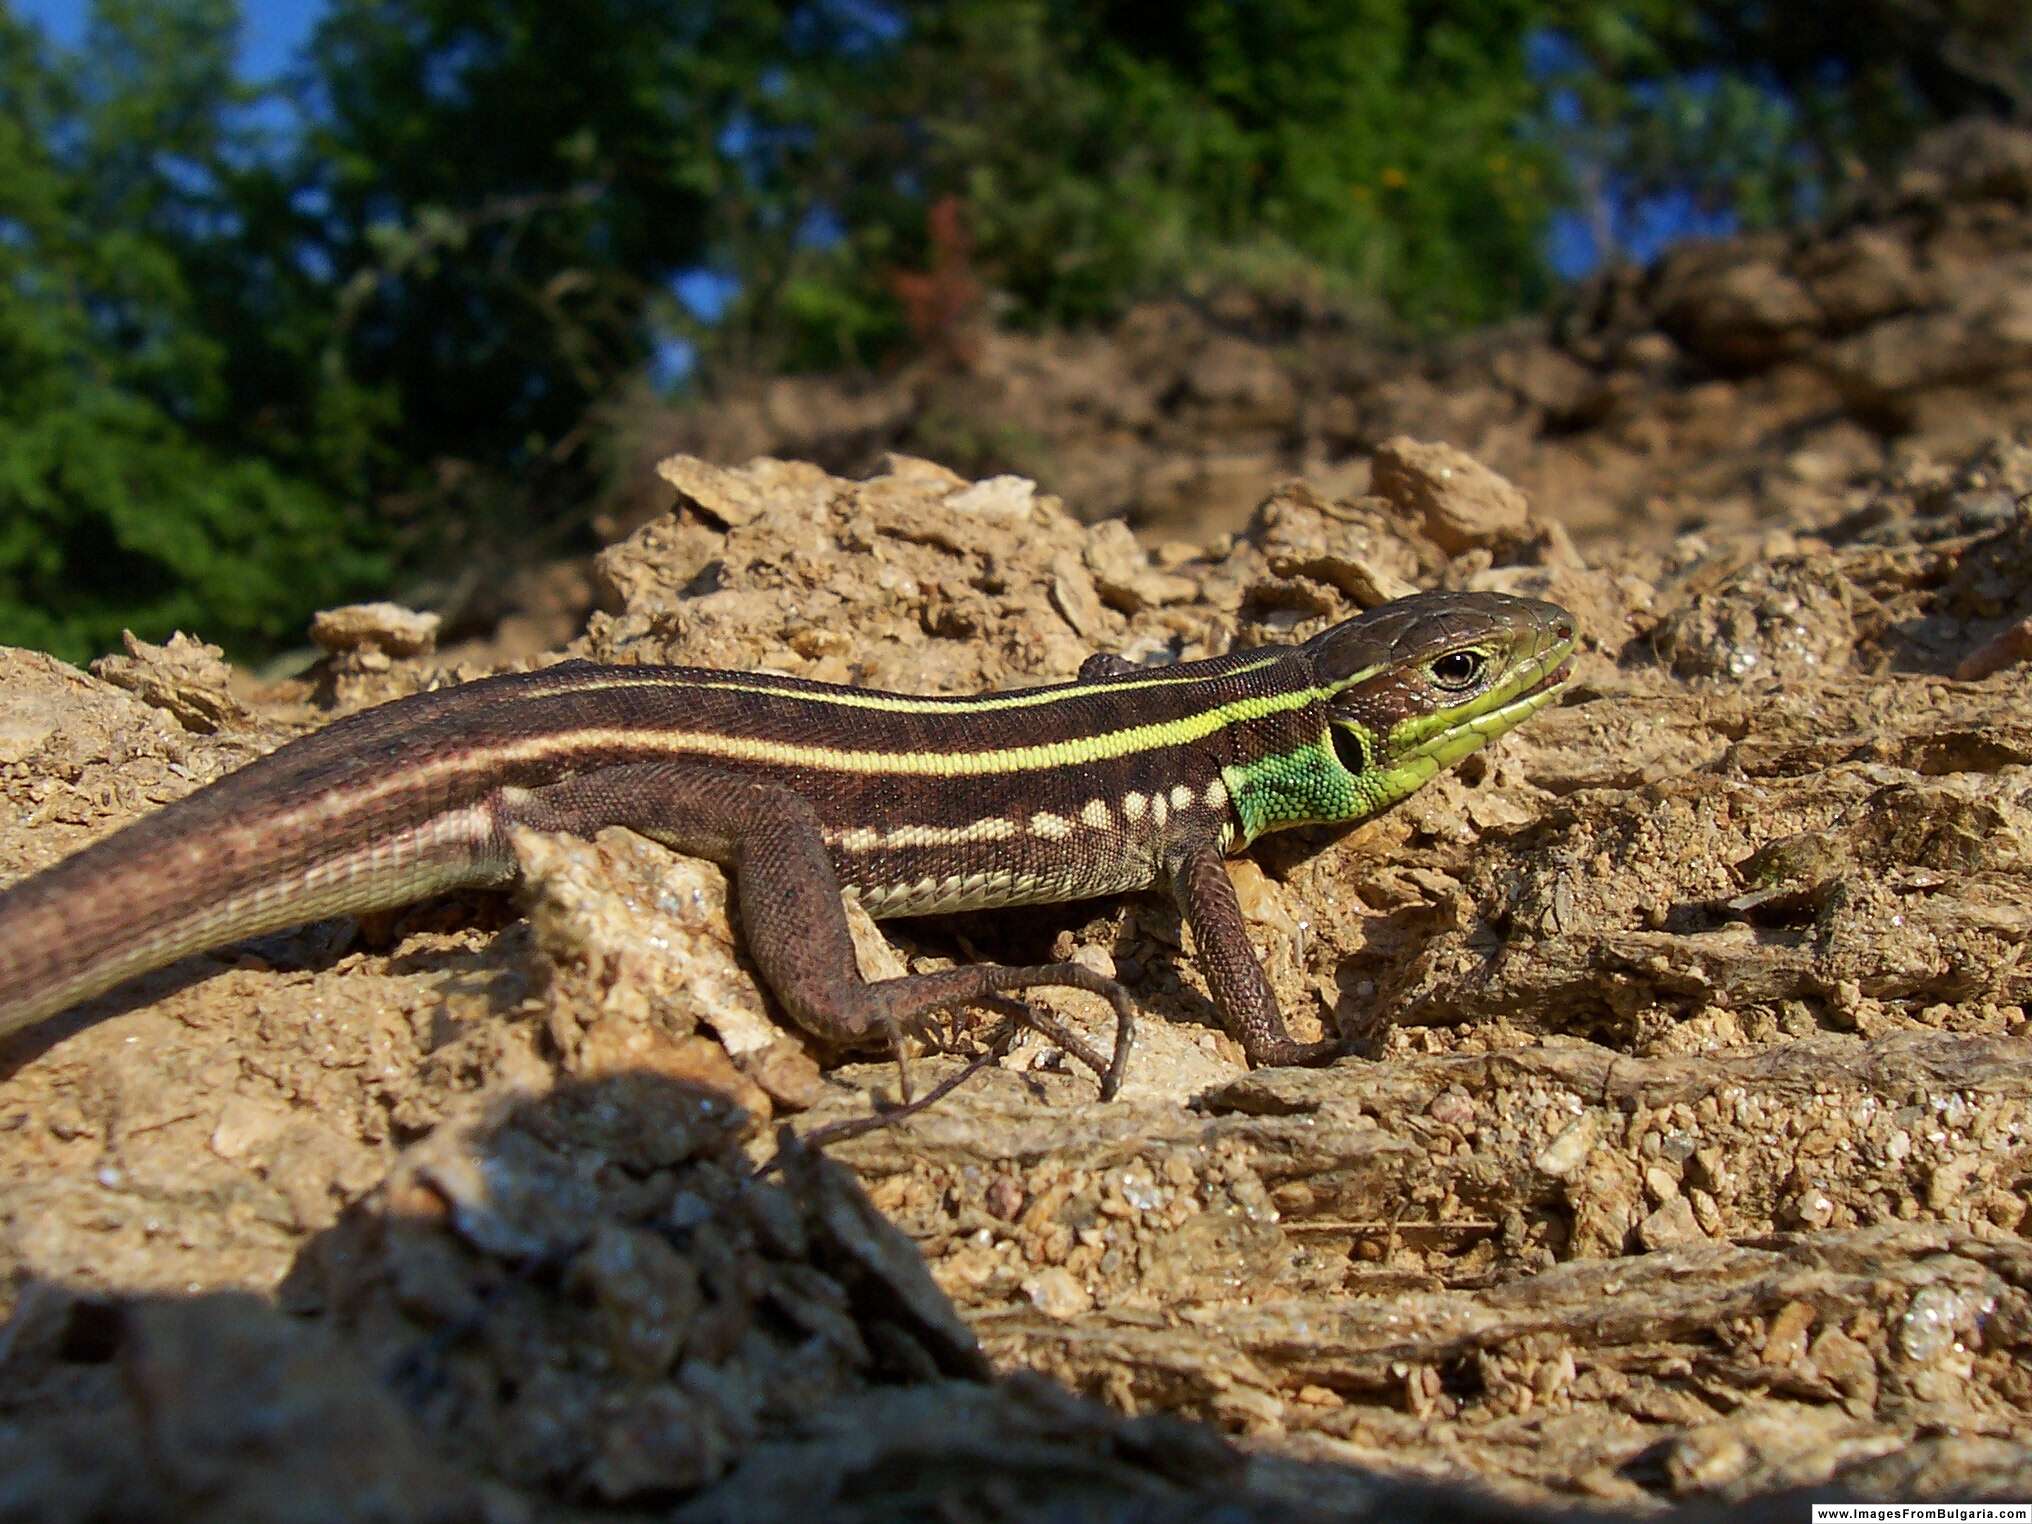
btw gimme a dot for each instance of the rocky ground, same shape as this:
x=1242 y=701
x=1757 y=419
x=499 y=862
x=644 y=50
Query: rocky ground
x=1729 y=380
x=1684 y=1163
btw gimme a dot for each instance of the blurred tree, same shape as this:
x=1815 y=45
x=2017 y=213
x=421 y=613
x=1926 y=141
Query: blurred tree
x=1104 y=151
x=1403 y=153
x=1762 y=114
x=510 y=187
x=249 y=365
x=160 y=456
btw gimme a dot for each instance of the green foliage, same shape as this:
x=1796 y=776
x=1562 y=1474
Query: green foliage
x=247 y=370
x=509 y=186
x=1767 y=112
x=141 y=482
x=1103 y=152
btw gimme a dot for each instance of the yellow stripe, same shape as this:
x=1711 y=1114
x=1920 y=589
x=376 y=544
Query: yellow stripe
x=1009 y=759
x=709 y=746
x=892 y=703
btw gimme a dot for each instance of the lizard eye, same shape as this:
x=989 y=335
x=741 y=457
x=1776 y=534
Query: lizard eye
x=1353 y=751
x=1458 y=669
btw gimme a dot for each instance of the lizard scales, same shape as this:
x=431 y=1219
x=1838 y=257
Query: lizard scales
x=1121 y=780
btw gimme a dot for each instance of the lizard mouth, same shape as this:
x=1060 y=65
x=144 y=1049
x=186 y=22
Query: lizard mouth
x=1556 y=678
x=1528 y=700
x=1449 y=745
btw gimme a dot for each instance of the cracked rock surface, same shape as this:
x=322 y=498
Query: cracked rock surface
x=1684 y=1161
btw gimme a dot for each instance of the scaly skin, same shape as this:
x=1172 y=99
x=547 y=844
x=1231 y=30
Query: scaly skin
x=1127 y=779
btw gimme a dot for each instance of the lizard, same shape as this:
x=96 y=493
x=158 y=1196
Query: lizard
x=1127 y=778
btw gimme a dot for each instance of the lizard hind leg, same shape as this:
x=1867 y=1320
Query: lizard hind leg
x=769 y=837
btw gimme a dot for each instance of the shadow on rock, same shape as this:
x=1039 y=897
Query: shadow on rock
x=581 y=1305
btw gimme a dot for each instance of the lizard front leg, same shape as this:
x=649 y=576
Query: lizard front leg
x=1242 y=995
x=769 y=838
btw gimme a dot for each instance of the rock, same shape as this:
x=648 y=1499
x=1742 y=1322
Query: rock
x=385 y=627
x=187 y=678
x=1461 y=503
x=1735 y=304
x=1690 y=1123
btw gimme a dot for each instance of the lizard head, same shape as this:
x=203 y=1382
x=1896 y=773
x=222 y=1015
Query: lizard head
x=1414 y=686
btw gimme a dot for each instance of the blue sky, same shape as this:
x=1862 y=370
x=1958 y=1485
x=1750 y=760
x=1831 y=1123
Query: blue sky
x=271 y=32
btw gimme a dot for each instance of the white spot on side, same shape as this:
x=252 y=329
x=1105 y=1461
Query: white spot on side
x=1181 y=797
x=1095 y=812
x=1046 y=824
x=1216 y=795
x=894 y=896
x=1133 y=805
x=867 y=839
